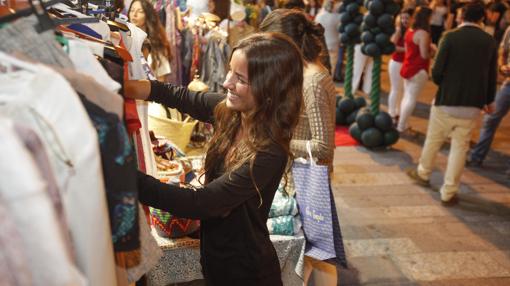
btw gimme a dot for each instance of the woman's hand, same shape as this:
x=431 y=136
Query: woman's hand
x=137 y=89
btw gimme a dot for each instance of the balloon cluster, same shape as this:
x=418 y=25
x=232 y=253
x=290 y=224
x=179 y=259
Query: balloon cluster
x=374 y=131
x=378 y=26
x=350 y=21
x=347 y=109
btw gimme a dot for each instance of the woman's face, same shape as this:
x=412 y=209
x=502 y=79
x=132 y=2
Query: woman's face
x=137 y=15
x=404 y=19
x=239 y=96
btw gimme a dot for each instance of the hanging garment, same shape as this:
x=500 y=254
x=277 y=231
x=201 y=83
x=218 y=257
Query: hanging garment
x=36 y=148
x=214 y=66
x=186 y=55
x=134 y=41
x=119 y=170
x=85 y=62
x=145 y=140
x=14 y=269
x=150 y=251
x=175 y=39
x=93 y=91
x=100 y=27
x=23 y=190
x=42 y=99
x=21 y=37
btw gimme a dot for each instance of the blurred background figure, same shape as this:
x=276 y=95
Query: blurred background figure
x=395 y=63
x=415 y=68
x=329 y=18
x=438 y=19
x=312 y=7
x=157 y=48
x=265 y=6
x=494 y=16
x=291 y=4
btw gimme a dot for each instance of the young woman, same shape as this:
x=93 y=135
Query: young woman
x=438 y=19
x=395 y=63
x=418 y=52
x=158 y=53
x=317 y=122
x=245 y=160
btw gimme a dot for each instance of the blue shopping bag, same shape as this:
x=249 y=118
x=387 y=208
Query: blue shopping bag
x=318 y=211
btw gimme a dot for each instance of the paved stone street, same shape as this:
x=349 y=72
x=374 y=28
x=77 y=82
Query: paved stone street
x=397 y=233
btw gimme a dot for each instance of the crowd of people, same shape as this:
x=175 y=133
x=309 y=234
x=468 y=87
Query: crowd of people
x=246 y=159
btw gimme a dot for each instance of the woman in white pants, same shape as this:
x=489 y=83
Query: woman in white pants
x=395 y=64
x=363 y=65
x=418 y=52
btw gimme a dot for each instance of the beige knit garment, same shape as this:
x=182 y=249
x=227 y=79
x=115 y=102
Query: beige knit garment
x=317 y=121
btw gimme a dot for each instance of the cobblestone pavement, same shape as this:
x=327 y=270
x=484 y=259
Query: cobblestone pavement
x=397 y=233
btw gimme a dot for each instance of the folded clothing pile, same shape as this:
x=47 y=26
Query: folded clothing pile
x=283 y=215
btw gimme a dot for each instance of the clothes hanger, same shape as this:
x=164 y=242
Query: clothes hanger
x=115 y=26
x=39 y=9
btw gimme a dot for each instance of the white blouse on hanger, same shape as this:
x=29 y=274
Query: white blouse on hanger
x=44 y=100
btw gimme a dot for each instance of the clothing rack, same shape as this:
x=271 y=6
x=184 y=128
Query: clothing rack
x=39 y=8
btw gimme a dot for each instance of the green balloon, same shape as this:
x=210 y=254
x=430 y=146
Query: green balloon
x=376 y=7
x=382 y=40
x=370 y=20
x=346 y=105
x=352 y=117
x=340 y=117
x=360 y=102
x=389 y=30
x=367 y=37
x=383 y=121
x=359 y=19
x=389 y=49
x=376 y=30
x=345 y=18
x=352 y=8
x=385 y=21
x=392 y=8
x=391 y=137
x=365 y=120
x=355 y=132
x=372 y=137
x=372 y=50
x=345 y=39
x=351 y=29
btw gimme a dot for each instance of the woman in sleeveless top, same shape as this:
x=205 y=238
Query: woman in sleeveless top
x=395 y=63
x=418 y=52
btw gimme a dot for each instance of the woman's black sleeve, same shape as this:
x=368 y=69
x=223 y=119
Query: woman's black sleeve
x=218 y=197
x=199 y=105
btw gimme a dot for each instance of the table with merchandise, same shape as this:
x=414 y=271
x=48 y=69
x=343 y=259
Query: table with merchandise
x=181 y=259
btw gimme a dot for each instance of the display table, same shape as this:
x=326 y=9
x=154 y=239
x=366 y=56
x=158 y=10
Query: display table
x=181 y=260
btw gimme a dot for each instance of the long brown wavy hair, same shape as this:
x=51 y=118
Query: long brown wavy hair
x=421 y=19
x=156 y=34
x=275 y=77
x=294 y=23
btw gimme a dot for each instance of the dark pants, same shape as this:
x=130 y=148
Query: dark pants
x=435 y=33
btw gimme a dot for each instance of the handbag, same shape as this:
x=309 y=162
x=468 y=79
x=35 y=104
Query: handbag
x=177 y=131
x=317 y=207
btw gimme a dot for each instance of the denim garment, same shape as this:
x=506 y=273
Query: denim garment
x=491 y=123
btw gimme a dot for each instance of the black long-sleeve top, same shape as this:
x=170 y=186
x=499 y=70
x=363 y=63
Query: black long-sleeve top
x=235 y=246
